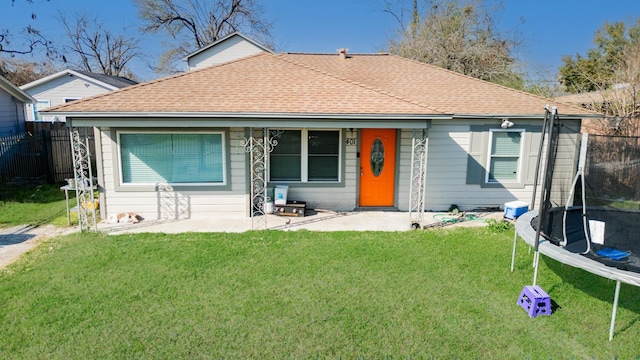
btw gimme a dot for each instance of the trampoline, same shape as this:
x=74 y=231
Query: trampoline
x=589 y=213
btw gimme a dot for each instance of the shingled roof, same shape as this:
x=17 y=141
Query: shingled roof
x=317 y=84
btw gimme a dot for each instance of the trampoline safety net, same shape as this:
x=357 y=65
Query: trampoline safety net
x=591 y=197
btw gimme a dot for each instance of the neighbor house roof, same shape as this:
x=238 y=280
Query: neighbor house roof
x=314 y=85
x=15 y=91
x=617 y=92
x=108 y=81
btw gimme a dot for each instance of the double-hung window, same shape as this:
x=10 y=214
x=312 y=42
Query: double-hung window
x=172 y=158
x=504 y=156
x=306 y=156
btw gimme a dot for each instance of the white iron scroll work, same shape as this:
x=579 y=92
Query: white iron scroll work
x=258 y=145
x=418 y=178
x=86 y=202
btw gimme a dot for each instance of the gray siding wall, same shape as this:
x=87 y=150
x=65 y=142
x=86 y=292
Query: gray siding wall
x=333 y=197
x=11 y=114
x=231 y=49
x=566 y=163
x=449 y=144
x=447 y=164
x=169 y=204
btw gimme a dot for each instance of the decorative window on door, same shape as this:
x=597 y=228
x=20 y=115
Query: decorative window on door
x=377 y=157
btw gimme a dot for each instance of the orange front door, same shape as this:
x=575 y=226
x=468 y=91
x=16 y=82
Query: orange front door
x=377 y=167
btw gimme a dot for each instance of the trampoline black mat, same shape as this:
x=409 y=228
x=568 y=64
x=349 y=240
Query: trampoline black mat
x=622 y=232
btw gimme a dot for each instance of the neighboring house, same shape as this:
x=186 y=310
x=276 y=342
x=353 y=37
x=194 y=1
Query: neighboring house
x=345 y=127
x=231 y=47
x=65 y=86
x=12 y=105
x=621 y=101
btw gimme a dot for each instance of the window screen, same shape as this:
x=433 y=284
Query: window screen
x=172 y=158
x=324 y=154
x=505 y=153
x=285 y=160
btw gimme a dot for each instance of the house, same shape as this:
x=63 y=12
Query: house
x=65 y=86
x=231 y=47
x=619 y=104
x=342 y=131
x=12 y=105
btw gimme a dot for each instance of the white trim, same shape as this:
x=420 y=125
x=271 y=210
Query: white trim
x=304 y=158
x=67 y=72
x=224 y=158
x=15 y=91
x=518 y=179
x=35 y=111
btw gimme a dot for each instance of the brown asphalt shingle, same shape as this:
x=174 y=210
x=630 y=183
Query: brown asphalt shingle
x=376 y=84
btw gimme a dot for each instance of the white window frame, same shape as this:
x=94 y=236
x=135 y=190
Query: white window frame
x=304 y=157
x=518 y=178
x=224 y=158
x=35 y=110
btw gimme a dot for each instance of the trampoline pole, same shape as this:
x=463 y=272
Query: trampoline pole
x=615 y=309
x=536 y=259
x=540 y=146
x=513 y=253
x=550 y=148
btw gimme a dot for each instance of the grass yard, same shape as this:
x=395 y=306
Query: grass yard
x=33 y=205
x=445 y=293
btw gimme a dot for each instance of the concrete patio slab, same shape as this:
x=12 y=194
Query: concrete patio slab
x=316 y=220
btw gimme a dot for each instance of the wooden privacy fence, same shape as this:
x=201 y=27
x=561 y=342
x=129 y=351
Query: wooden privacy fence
x=38 y=156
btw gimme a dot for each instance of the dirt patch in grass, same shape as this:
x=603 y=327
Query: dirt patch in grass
x=17 y=240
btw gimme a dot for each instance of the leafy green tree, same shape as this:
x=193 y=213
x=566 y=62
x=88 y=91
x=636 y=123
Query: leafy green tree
x=600 y=68
x=607 y=79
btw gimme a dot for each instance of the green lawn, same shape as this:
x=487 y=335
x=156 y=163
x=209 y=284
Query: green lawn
x=445 y=293
x=33 y=205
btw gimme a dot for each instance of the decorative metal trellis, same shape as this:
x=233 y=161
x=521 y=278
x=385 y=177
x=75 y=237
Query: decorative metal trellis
x=420 y=143
x=86 y=203
x=259 y=145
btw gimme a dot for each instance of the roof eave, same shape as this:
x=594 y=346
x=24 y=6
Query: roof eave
x=104 y=114
x=15 y=91
x=63 y=73
x=537 y=116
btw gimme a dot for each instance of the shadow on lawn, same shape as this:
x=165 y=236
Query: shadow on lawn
x=598 y=287
x=13 y=239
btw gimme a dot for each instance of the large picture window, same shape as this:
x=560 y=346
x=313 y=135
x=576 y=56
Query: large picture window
x=172 y=158
x=306 y=156
x=505 y=153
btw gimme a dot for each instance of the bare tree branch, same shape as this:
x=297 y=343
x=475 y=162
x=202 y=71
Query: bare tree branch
x=460 y=36
x=193 y=24
x=31 y=40
x=98 y=49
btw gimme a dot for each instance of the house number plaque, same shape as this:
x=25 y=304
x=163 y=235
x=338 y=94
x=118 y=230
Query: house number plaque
x=352 y=141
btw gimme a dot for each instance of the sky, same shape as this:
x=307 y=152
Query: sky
x=549 y=29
